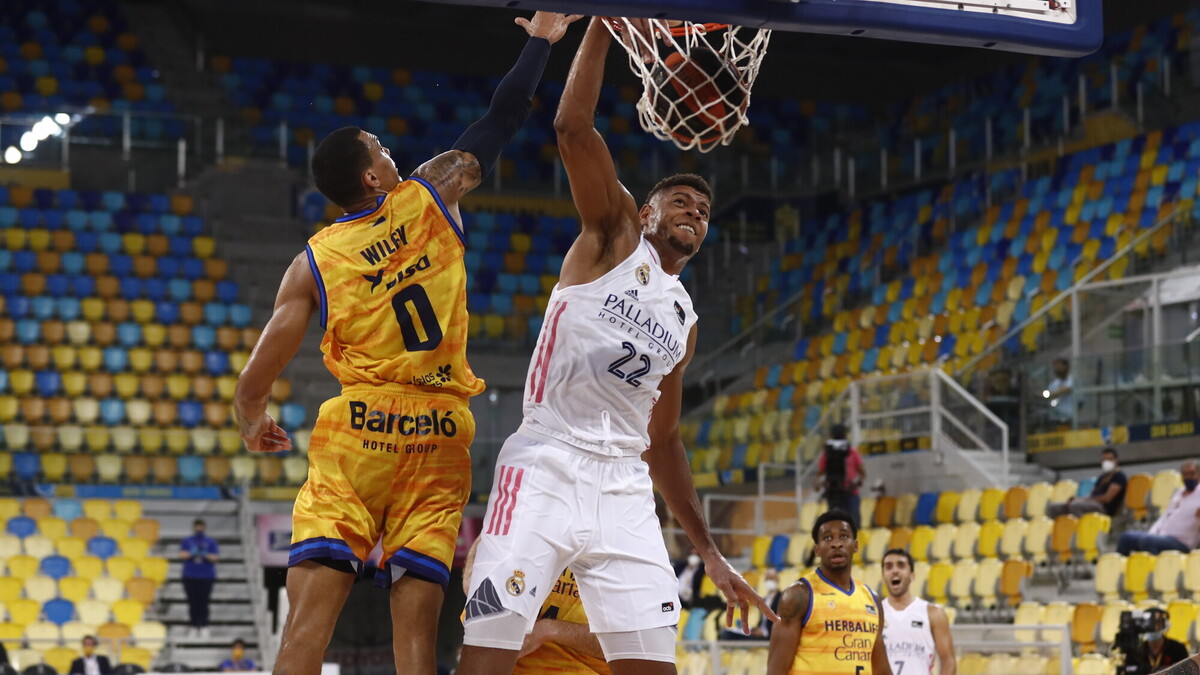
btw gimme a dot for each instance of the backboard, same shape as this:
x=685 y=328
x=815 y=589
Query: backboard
x=1050 y=27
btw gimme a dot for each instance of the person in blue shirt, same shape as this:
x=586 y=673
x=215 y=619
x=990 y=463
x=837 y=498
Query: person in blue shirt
x=199 y=555
x=238 y=661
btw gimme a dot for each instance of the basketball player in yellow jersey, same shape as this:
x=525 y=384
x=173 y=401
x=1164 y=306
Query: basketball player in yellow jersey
x=389 y=458
x=830 y=623
x=561 y=641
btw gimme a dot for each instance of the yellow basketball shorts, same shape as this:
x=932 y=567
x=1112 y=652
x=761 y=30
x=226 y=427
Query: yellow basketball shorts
x=386 y=463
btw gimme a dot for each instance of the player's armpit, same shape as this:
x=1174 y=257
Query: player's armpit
x=785 y=636
x=452 y=174
x=943 y=642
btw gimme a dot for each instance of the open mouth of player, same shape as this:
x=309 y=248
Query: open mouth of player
x=687 y=228
x=837 y=557
x=895 y=583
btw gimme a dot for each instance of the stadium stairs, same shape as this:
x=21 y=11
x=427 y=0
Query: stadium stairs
x=230 y=611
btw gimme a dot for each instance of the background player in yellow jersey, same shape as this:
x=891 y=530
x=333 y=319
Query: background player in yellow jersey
x=830 y=623
x=561 y=641
x=389 y=457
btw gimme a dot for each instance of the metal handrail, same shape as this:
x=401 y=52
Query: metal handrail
x=1074 y=289
x=254 y=577
x=991 y=416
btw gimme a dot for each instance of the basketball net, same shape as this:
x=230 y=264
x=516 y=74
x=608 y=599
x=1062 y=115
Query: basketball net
x=696 y=80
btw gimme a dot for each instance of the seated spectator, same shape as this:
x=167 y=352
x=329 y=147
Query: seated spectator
x=91 y=663
x=1107 y=494
x=1178 y=528
x=238 y=661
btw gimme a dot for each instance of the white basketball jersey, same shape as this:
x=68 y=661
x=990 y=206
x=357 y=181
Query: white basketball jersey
x=603 y=349
x=908 y=638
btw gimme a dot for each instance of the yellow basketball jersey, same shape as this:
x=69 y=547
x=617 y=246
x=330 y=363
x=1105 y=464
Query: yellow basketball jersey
x=393 y=292
x=840 y=629
x=562 y=604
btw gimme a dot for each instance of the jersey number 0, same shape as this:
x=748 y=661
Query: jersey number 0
x=412 y=300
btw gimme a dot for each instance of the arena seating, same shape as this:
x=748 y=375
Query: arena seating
x=78 y=54
x=976 y=550
x=75 y=568
x=121 y=331
x=949 y=305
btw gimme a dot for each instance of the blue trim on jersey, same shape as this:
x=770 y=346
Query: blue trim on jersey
x=359 y=214
x=416 y=563
x=445 y=212
x=807 y=612
x=312 y=264
x=321 y=547
x=826 y=580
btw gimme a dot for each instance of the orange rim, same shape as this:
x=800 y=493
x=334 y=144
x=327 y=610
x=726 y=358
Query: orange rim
x=687 y=28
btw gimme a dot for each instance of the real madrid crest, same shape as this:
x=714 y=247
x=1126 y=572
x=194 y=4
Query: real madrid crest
x=515 y=583
x=642 y=273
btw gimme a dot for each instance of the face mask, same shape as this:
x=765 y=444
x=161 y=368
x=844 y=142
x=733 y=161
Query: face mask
x=693 y=560
x=1154 y=637
x=88 y=650
x=771 y=585
x=1107 y=466
x=237 y=653
x=1190 y=484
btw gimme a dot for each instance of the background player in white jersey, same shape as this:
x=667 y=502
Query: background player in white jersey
x=574 y=485
x=915 y=631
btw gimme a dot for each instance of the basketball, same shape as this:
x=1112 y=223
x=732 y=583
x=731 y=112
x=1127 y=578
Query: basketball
x=698 y=96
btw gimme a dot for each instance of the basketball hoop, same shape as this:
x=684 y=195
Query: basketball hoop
x=696 y=77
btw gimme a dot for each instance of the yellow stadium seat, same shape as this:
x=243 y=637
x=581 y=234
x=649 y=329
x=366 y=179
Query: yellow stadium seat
x=42 y=633
x=70 y=547
x=73 y=631
x=938 y=582
x=60 y=658
x=38 y=546
x=1182 y=616
x=1092 y=527
x=1028 y=614
x=41 y=588
x=1110 y=619
x=23 y=611
x=150 y=635
x=1037 y=538
x=22 y=566
x=74 y=588
x=972 y=664
x=128 y=612
x=134 y=548
x=1110 y=568
x=1167 y=575
x=88 y=567
x=155 y=568
x=1136 y=492
x=1162 y=488
x=1013 y=574
x=1138 y=567
x=97 y=509
x=10 y=589
x=967 y=510
x=1013 y=539
x=108 y=589
x=962 y=580
x=141 y=589
x=1093 y=664
x=92 y=611
x=922 y=538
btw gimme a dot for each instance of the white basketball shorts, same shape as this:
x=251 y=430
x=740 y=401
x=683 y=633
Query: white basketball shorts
x=552 y=507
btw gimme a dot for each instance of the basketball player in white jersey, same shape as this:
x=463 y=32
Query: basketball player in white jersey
x=916 y=632
x=574 y=485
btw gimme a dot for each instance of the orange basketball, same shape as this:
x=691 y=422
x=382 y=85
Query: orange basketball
x=698 y=96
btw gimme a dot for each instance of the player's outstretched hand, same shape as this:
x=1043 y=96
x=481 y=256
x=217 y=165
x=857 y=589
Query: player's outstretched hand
x=738 y=593
x=549 y=25
x=266 y=436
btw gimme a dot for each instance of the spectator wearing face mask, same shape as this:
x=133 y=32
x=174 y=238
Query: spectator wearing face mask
x=690 y=574
x=771 y=596
x=1178 y=528
x=1107 y=494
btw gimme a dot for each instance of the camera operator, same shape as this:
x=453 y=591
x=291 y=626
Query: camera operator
x=1141 y=638
x=840 y=472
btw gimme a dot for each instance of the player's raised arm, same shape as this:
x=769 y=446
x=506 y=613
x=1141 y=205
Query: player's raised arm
x=785 y=636
x=294 y=306
x=603 y=203
x=458 y=171
x=672 y=476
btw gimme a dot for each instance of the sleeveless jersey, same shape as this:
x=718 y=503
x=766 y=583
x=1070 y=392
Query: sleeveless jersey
x=909 y=638
x=562 y=604
x=393 y=294
x=603 y=349
x=839 y=630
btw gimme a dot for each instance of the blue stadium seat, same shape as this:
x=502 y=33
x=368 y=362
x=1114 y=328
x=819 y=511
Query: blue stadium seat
x=166 y=312
x=21 y=526
x=239 y=315
x=179 y=290
x=193 y=268
x=216 y=313
x=59 y=611
x=129 y=334
x=191 y=413
x=29 y=331
x=102 y=547
x=191 y=468
x=155 y=289
x=926 y=508
x=67 y=509
x=42 y=306
x=169 y=266
x=227 y=291
x=116 y=359
x=204 y=337
x=777 y=553
x=48 y=382
x=112 y=411
x=55 y=566
x=291 y=416
x=57 y=285
x=216 y=362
